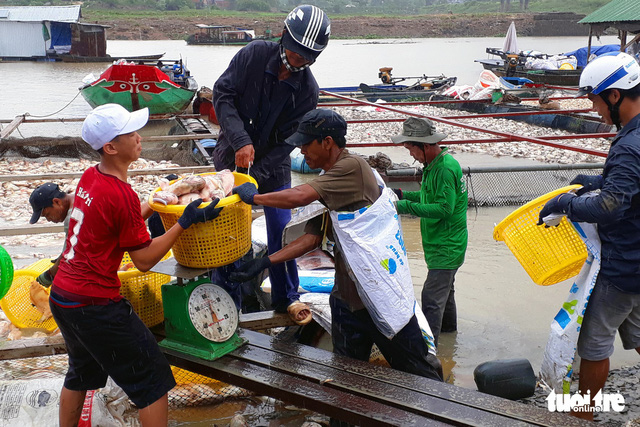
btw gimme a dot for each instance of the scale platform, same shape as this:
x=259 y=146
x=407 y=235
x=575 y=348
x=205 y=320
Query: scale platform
x=200 y=318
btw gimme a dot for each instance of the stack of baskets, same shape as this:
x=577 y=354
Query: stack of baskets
x=141 y=289
x=213 y=243
x=549 y=255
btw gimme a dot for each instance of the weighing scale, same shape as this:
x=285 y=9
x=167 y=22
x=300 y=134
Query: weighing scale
x=200 y=318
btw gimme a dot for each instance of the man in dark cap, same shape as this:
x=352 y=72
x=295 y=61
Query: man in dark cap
x=258 y=101
x=441 y=205
x=348 y=184
x=55 y=206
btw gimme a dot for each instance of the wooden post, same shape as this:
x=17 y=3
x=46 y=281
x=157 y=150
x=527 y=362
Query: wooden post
x=589 y=45
x=11 y=127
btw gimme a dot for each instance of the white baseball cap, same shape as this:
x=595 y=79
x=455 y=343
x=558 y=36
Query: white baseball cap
x=107 y=121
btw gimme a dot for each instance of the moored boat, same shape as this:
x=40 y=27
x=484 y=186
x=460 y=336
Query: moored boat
x=420 y=87
x=136 y=86
x=227 y=35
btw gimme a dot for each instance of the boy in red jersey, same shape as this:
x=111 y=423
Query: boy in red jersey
x=104 y=336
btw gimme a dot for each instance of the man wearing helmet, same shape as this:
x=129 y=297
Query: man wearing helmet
x=259 y=101
x=612 y=83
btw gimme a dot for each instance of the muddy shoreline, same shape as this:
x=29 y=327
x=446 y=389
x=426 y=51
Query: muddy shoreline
x=361 y=27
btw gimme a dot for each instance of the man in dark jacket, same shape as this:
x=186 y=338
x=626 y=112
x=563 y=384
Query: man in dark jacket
x=259 y=101
x=612 y=83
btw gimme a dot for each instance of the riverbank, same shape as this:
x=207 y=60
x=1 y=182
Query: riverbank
x=161 y=27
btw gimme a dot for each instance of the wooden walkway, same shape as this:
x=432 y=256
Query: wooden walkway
x=342 y=388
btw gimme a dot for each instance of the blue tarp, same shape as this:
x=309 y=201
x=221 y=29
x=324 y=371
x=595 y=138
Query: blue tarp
x=581 y=53
x=61 y=35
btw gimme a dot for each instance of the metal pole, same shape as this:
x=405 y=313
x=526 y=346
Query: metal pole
x=598 y=153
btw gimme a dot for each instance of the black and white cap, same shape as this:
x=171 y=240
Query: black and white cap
x=308 y=30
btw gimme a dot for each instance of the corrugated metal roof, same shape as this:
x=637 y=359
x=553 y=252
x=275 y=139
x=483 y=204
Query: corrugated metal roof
x=614 y=11
x=40 y=13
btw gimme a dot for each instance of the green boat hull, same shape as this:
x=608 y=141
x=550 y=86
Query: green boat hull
x=172 y=100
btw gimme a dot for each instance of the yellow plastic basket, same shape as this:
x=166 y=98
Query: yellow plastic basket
x=213 y=243
x=16 y=304
x=143 y=291
x=548 y=255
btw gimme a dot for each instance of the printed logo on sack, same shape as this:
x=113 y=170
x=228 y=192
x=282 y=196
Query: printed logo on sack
x=389 y=265
x=603 y=402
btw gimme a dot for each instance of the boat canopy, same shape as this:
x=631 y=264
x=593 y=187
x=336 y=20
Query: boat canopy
x=581 y=54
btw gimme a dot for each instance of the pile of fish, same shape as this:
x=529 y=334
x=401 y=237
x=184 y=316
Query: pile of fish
x=193 y=187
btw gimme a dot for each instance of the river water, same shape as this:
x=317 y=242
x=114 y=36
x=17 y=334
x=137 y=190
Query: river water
x=502 y=313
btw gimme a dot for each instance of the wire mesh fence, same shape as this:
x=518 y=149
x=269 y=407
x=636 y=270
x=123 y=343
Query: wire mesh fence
x=518 y=185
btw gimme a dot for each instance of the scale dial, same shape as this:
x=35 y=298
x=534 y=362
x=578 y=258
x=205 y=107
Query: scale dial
x=212 y=312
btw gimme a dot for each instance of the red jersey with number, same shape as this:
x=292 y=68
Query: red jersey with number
x=106 y=221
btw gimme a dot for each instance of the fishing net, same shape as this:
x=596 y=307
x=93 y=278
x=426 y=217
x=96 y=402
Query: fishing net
x=513 y=187
x=191 y=390
x=35 y=147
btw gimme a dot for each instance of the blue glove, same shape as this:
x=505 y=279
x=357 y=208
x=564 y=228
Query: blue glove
x=250 y=269
x=246 y=192
x=398 y=192
x=193 y=215
x=558 y=204
x=588 y=182
x=45 y=279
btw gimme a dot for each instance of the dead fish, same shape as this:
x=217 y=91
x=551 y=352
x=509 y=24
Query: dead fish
x=238 y=421
x=185 y=199
x=14 y=334
x=128 y=266
x=189 y=184
x=5 y=327
x=227 y=179
x=40 y=300
x=165 y=197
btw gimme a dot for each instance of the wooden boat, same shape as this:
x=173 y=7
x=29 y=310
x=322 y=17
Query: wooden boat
x=513 y=65
x=108 y=58
x=421 y=87
x=136 y=86
x=227 y=35
x=572 y=122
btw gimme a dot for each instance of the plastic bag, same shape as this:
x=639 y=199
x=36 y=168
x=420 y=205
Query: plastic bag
x=557 y=362
x=372 y=242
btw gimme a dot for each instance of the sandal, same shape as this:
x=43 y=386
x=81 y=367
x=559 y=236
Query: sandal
x=295 y=308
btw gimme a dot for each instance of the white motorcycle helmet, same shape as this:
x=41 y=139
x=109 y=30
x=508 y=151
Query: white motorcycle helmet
x=609 y=71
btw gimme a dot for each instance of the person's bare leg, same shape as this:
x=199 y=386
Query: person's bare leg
x=71 y=403
x=593 y=375
x=156 y=414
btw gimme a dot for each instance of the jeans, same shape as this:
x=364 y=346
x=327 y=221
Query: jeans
x=354 y=333
x=283 y=276
x=438 y=302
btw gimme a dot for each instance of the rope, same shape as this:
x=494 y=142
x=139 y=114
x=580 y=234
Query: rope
x=48 y=115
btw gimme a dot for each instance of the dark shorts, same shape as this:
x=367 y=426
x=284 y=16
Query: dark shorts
x=111 y=340
x=609 y=310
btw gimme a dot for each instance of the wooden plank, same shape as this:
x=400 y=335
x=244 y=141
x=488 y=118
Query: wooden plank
x=179 y=137
x=306 y=394
x=471 y=398
x=339 y=376
x=11 y=127
x=131 y=172
x=32 y=347
x=264 y=320
x=34 y=229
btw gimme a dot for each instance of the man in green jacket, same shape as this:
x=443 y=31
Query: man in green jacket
x=441 y=205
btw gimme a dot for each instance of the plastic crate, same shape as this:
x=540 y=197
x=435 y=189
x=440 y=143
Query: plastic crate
x=549 y=255
x=143 y=290
x=213 y=243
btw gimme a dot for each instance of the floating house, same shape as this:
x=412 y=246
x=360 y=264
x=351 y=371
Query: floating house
x=46 y=32
x=624 y=16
